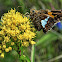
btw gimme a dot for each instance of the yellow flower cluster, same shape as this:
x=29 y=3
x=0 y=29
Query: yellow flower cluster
x=14 y=28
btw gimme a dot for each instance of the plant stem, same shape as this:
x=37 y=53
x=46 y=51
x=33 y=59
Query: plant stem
x=33 y=53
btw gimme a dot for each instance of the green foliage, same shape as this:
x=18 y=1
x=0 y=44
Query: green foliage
x=48 y=45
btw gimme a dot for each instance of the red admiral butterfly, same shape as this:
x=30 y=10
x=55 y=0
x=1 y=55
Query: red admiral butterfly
x=45 y=19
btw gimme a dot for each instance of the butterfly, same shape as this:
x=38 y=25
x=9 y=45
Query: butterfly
x=45 y=19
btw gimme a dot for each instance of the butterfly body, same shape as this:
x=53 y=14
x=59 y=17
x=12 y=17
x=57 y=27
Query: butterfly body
x=44 y=19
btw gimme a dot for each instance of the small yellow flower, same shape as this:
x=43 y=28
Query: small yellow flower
x=28 y=26
x=2 y=55
x=13 y=27
x=10 y=48
x=32 y=42
x=6 y=38
x=2 y=32
x=15 y=38
x=12 y=32
x=17 y=32
x=20 y=37
x=7 y=50
x=23 y=27
x=0 y=51
x=26 y=44
x=12 y=43
x=4 y=46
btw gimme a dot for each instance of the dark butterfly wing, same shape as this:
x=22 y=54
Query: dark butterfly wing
x=44 y=19
x=57 y=13
x=36 y=17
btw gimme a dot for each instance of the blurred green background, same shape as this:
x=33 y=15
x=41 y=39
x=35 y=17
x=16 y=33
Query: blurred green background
x=48 y=45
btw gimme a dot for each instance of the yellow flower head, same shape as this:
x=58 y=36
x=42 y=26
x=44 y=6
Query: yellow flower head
x=15 y=27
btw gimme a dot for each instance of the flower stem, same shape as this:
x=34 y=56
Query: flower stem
x=33 y=53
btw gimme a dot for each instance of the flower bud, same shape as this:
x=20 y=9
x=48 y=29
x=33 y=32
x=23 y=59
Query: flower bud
x=7 y=49
x=4 y=46
x=2 y=55
x=10 y=48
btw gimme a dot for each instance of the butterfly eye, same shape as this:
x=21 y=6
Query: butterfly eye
x=33 y=11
